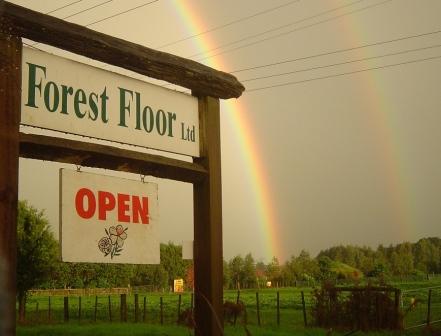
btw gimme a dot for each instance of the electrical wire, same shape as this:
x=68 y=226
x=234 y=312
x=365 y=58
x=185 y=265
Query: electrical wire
x=121 y=13
x=276 y=28
x=337 y=51
x=62 y=7
x=87 y=9
x=343 y=74
x=294 y=30
x=341 y=63
x=227 y=24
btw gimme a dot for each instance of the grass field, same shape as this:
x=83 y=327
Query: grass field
x=131 y=329
x=291 y=314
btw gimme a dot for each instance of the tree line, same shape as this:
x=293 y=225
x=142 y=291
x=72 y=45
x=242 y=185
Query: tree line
x=39 y=266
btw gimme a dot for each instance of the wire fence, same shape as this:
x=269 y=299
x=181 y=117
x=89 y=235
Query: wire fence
x=269 y=308
x=421 y=306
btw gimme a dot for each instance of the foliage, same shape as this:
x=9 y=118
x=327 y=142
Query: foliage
x=362 y=308
x=37 y=251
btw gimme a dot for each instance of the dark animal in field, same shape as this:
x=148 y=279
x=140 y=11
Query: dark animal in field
x=232 y=311
x=431 y=331
x=186 y=318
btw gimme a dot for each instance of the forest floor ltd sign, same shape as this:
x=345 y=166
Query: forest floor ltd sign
x=107 y=219
x=67 y=96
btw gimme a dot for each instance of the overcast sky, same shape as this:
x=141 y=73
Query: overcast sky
x=351 y=158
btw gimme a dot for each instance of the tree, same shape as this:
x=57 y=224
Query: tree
x=249 y=271
x=37 y=251
x=273 y=271
x=172 y=262
x=236 y=270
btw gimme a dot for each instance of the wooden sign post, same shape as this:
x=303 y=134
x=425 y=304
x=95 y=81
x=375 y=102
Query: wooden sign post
x=207 y=84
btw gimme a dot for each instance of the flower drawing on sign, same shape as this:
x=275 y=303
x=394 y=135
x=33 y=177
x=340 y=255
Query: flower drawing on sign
x=113 y=243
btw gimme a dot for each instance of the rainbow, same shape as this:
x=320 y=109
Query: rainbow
x=388 y=142
x=236 y=114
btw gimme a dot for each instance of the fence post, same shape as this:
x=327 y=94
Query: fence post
x=110 y=309
x=305 y=321
x=79 y=308
x=123 y=308
x=397 y=307
x=66 y=309
x=37 y=308
x=278 y=308
x=237 y=302
x=179 y=305
x=161 y=307
x=258 y=308
x=49 y=309
x=144 y=309
x=96 y=308
x=429 y=305
x=136 y=308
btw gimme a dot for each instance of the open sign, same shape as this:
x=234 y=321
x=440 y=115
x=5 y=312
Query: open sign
x=108 y=220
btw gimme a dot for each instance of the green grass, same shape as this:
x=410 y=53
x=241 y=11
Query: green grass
x=291 y=314
x=131 y=329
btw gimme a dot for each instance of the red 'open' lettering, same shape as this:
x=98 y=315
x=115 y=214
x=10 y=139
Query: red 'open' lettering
x=106 y=202
x=140 y=209
x=87 y=194
x=123 y=207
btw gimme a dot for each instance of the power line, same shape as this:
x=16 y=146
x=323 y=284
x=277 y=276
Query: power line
x=276 y=28
x=341 y=63
x=62 y=7
x=294 y=30
x=87 y=9
x=344 y=74
x=228 y=24
x=337 y=51
x=121 y=13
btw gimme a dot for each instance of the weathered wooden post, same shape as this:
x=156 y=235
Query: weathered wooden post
x=305 y=321
x=429 y=306
x=278 y=308
x=96 y=308
x=123 y=308
x=136 y=307
x=66 y=309
x=237 y=302
x=179 y=305
x=110 y=308
x=79 y=309
x=10 y=100
x=144 y=313
x=207 y=196
x=207 y=84
x=258 y=308
x=161 y=311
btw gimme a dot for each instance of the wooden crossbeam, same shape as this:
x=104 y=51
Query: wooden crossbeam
x=42 y=147
x=20 y=21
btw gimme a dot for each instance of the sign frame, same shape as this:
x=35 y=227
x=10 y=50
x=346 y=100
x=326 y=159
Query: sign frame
x=207 y=84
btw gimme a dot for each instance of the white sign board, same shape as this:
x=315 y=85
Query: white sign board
x=68 y=96
x=108 y=220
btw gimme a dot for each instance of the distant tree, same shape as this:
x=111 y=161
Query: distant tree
x=306 y=267
x=260 y=272
x=235 y=266
x=325 y=264
x=226 y=275
x=249 y=271
x=37 y=252
x=273 y=271
x=172 y=262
